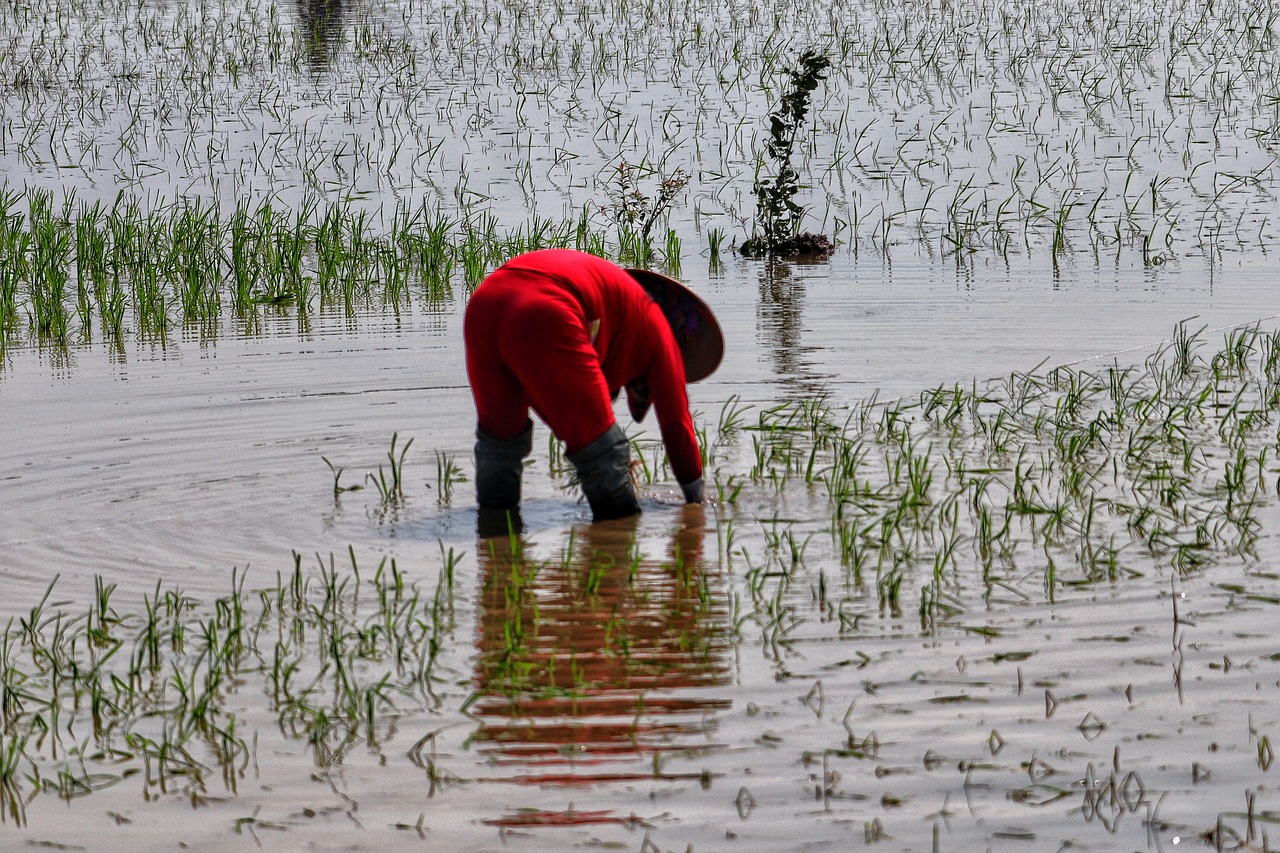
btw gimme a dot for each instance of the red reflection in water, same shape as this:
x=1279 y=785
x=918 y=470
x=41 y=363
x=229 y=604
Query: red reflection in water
x=589 y=666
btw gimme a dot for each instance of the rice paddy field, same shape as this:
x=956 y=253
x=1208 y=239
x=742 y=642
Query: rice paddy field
x=990 y=557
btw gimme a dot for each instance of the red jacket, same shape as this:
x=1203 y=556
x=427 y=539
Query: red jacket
x=563 y=332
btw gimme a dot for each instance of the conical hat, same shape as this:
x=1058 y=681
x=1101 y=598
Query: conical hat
x=695 y=328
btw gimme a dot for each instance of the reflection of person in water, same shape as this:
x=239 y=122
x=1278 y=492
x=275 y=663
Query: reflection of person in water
x=591 y=659
x=320 y=22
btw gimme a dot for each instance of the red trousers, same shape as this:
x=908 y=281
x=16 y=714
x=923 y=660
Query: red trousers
x=560 y=332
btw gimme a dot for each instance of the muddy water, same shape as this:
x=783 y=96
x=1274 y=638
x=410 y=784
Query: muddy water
x=1132 y=714
x=639 y=687
x=169 y=457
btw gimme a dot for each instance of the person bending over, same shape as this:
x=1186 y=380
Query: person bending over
x=562 y=332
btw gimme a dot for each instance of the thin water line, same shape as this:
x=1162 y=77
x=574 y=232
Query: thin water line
x=1213 y=331
x=1137 y=348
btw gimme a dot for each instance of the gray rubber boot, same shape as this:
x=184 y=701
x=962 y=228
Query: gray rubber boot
x=499 y=465
x=604 y=471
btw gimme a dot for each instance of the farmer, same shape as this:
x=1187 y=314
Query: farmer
x=561 y=332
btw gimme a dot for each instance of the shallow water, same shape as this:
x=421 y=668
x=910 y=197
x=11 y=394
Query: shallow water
x=700 y=679
x=167 y=457
x=1095 y=720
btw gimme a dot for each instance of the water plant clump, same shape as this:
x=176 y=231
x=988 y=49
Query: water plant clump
x=391 y=489
x=13 y=261
x=635 y=213
x=87 y=269
x=154 y=691
x=778 y=215
x=1068 y=478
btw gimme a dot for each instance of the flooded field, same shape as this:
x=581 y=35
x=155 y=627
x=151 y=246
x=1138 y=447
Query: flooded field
x=988 y=563
x=1031 y=612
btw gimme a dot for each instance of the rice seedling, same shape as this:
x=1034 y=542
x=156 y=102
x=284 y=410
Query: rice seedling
x=448 y=473
x=133 y=266
x=390 y=490
x=338 y=488
x=715 y=242
x=50 y=255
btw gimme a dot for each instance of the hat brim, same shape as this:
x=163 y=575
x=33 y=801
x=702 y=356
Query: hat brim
x=695 y=327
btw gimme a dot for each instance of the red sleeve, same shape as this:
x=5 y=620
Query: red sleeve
x=671 y=403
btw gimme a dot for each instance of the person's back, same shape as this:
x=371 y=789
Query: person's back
x=562 y=332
